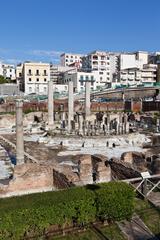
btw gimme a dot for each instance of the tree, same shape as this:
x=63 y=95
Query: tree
x=3 y=80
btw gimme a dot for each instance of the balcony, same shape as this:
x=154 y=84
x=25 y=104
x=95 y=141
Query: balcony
x=90 y=79
x=95 y=63
x=103 y=63
x=95 y=57
x=29 y=74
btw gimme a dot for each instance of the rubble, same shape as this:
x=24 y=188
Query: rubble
x=76 y=148
x=136 y=159
x=155 y=166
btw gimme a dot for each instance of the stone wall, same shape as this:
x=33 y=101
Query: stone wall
x=31 y=176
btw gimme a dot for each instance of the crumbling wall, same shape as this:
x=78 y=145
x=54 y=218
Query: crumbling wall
x=101 y=168
x=31 y=176
x=136 y=159
x=85 y=169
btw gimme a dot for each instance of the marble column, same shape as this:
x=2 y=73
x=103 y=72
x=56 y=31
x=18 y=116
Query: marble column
x=70 y=105
x=80 y=124
x=87 y=99
x=50 y=105
x=19 y=133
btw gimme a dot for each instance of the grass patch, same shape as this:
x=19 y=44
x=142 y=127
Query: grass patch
x=149 y=215
x=88 y=235
x=113 y=232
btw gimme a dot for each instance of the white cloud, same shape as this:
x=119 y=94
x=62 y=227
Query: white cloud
x=45 y=53
x=13 y=61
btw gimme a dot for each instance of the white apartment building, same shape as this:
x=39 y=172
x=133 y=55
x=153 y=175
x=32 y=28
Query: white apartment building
x=1 y=69
x=136 y=76
x=8 y=71
x=79 y=78
x=149 y=74
x=133 y=60
x=33 y=77
x=70 y=59
x=103 y=65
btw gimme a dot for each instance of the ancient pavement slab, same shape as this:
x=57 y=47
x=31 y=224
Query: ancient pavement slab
x=136 y=229
x=154 y=197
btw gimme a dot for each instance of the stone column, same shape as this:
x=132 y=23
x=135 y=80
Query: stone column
x=80 y=124
x=50 y=105
x=108 y=124
x=70 y=105
x=19 y=133
x=87 y=99
x=157 y=124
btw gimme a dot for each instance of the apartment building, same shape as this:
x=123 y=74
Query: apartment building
x=133 y=60
x=33 y=77
x=68 y=59
x=154 y=58
x=57 y=71
x=8 y=71
x=103 y=65
x=79 y=77
x=136 y=76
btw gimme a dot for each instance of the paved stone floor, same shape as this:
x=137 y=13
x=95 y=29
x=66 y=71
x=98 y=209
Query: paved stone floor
x=154 y=197
x=136 y=230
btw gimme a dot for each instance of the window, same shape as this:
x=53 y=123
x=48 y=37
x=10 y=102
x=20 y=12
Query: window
x=30 y=79
x=107 y=63
x=20 y=74
x=29 y=72
x=101 y=78
x=81 y=77
x=66 y=60
x=107 y=73
x=71 y=56
x=37 y=79
x=92 y=78
x=30 y=89
x=37 y=72
x=87 y=78
x=45 y=72
x=107 y=78
x=101 y=73
x=45 y=89
x=45 y=80
x=92 y=83
x=81 y=83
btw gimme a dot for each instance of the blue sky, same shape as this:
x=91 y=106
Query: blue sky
x=43 y=29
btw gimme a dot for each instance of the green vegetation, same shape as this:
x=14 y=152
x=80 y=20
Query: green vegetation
x=3 y=80
x=149 y=215
x=113 y=232
x=88 y=235
x=34 y=214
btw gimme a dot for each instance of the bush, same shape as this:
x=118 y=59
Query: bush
x=33 y=214
x=115 y=201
